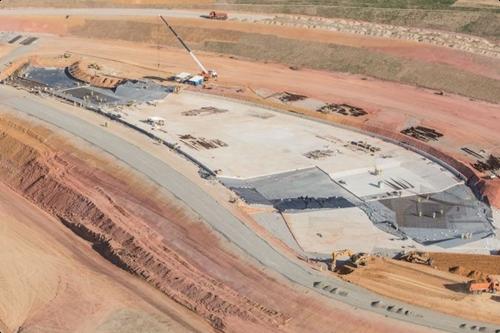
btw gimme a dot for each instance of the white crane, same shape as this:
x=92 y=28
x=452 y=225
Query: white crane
x=207 y=74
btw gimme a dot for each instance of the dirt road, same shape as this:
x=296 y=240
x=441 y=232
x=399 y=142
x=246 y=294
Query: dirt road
x=122 y=12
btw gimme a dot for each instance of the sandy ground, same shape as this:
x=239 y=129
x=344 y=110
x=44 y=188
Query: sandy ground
x=379 y=97
x=227 y=31
x=5 y=49
x=209 y=254
x=425 y=286
x=50 y=280
x=469 y=262
x=463 y=121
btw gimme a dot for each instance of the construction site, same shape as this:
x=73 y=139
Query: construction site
x=219 y=191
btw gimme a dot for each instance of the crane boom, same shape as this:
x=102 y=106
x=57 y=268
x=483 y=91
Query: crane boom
x=198 y=62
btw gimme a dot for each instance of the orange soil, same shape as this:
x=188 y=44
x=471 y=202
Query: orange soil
x=5 y=49
x=463 y=121
x=130 y=221
x=469 y=262
x=391 y=105
x=409 y=49
x=50 y=280
x=425 y=286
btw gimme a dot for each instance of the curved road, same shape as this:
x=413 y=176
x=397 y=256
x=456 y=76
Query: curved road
x=228 y=225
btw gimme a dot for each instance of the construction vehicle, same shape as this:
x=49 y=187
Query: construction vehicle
x=207 y=74
x=337 y=254
x=416 y=257
x=217 y=15
x=491 y=285
x=358 y=259
x=355 y=260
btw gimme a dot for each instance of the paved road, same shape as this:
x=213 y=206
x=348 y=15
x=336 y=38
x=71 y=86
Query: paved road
x=222 y=220
x=122 y=12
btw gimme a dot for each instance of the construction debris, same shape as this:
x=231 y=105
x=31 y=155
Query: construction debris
x=416 y=257
x=491 y=164
x=287 y=97
x=343 y=109
x=363 y=146
x=15 y=39
x=197 y=143
x=472 y=152
x=156 y=121
x=204 y=111
x=29 y=40
x=319 y=154
x=422 y=133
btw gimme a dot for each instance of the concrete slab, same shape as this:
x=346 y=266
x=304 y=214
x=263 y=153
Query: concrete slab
x=261 y=142
x=310 y=182
x=276 y=225
x=448 y=219
x=322 y=231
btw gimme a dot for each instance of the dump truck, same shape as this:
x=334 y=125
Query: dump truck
x=213 y=15
x=491 y=285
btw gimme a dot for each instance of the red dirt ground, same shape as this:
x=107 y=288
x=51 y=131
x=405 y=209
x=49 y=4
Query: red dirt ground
x=394 y=106
x=61 y=179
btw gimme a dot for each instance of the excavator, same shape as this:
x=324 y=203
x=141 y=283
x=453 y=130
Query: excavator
x=417 y=257
x=207 y=74
x=355 y=259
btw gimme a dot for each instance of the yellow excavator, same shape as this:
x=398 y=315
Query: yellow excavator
x=355 y=259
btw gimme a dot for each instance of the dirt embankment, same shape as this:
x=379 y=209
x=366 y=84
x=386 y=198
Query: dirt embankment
x=401 y=61
x=322 y=50
x=47 y=180
x=465 y=264
x=427 y=287
x=88 y=73
x=147 y=232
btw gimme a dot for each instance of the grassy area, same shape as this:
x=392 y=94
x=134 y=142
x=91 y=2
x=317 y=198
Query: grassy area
x=430 y=14
x=422 y=4
x=433 y=14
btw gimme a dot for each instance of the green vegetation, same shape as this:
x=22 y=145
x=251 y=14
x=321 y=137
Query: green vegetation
x=429 y=14
x=423 y=4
